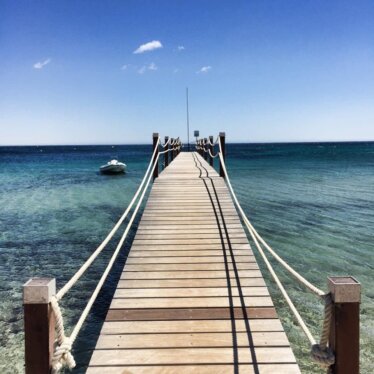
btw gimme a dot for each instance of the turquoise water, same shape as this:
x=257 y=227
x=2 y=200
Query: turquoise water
x=314 y=203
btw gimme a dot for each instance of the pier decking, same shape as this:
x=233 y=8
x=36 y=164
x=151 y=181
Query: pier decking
x=191 y=298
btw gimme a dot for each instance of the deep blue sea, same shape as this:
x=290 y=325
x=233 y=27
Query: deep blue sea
x=314 y=203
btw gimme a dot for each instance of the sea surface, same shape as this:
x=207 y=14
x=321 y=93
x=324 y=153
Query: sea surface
x=314 y=203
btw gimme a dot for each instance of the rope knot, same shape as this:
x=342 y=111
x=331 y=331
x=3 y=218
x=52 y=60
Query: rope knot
x=62 y=353
x=323 y=355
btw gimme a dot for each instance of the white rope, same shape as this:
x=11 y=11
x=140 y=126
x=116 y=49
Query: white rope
x=175 y=141
x=165 y=144
x=62 y=355
x=214 y=143
x=210 y=154
x=99 y=249
x=298 y=276
x=320 y=352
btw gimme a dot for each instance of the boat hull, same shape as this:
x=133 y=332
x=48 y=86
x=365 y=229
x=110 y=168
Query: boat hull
x=113 y=169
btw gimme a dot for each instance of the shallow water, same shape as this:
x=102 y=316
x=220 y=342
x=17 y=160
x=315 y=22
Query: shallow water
x=314 y=203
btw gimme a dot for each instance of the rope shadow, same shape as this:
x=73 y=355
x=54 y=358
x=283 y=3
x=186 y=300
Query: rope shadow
x=218 y=215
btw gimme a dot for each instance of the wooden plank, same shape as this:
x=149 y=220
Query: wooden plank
x=191 y=302
x=185 y=340
x=183 y=356
x=202 y=369
x=189 y=267
x=175 y=314
x=189 y=274
x=186 y=282
x=189 y=292
x=188 y=260
x=190 y=247
x=166 y=252
x=167 y=241
x=190 y=326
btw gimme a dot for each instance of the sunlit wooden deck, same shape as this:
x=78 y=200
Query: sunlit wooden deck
x=191 y=298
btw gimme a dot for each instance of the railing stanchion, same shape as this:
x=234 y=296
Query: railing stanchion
x=39 y=324
x=211 y=150
x=345 y=324
x=172 y=150
x=205 y=155
x=166 y=154
x=155 y=144
x=222 y=137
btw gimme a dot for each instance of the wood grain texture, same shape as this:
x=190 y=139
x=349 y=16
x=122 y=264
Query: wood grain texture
x=191 y=297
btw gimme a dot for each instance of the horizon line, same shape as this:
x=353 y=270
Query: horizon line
x=150 y=143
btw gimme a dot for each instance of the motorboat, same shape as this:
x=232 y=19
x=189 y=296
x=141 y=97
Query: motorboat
x=113 y=167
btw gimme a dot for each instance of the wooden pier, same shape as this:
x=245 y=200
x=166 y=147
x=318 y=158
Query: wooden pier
x=191 y=298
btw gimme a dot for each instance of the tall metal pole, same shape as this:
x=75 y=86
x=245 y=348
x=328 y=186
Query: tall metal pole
x=188 y=122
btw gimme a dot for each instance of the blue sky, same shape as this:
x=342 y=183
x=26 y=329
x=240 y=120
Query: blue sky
x=259 y=70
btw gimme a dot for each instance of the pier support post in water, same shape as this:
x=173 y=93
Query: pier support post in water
x=345 y=325
x=155 y=145
x=222 y=139
x=166 y=154
x=39 y=324
x=211 y=150
x=205 y=155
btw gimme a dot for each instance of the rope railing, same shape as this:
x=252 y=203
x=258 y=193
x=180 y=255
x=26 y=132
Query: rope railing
x=214 y=143
x=321 y=352
x=62 y=356
x=166 y=144
x=211 y=155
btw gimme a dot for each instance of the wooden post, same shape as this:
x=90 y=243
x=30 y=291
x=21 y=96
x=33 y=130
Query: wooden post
x=155 y=145
x=172 y=150
x=205 y=149
x=176 y=148
x=222 y=138
x=39 y=324
x=345 y=326
x=166 y=154
x=211 y=150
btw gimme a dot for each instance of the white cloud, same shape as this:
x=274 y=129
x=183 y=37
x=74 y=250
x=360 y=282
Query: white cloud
x=181 y=48
x=124 y=67
x=150 y=46
x=204 y=69
x=152 y=66
x=41 y=64
x=176 y=70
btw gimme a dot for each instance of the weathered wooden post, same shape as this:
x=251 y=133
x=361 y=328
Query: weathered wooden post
x=205 y=148
x=155 y=145
x=39 y=324
x=345 y=325
x=166 y=154
x=222 y=137
x=172 y=150
x=211 y=150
